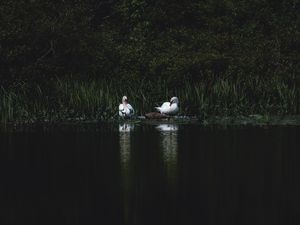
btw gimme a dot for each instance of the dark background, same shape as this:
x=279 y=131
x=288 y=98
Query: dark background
x=177 y=41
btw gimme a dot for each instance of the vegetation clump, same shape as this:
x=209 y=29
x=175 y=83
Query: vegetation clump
x=63 y=60
x=99 y=100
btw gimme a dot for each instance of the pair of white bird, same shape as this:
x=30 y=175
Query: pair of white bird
x=167 y=108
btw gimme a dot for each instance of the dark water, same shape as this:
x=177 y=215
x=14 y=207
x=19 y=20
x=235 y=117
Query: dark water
x=150 y=174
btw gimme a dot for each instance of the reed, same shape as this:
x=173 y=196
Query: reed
x=98 y=100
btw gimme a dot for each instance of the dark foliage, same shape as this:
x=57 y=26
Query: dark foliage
x=138 y=39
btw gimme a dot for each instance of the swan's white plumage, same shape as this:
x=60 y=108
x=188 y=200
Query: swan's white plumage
x=125 y=109
x=169 y=108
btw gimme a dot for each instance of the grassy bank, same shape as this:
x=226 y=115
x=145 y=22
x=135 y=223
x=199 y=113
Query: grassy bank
x=65 y=100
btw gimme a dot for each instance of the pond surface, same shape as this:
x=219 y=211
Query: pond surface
x=150 y=174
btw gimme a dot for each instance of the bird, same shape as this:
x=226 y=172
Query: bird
x=125 y=109
x=169 y=108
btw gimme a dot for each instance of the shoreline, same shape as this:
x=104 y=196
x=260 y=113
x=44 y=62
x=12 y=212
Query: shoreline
x=210 y=122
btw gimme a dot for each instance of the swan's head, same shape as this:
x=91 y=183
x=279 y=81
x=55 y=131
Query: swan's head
x=124 y=99
x=174 y=100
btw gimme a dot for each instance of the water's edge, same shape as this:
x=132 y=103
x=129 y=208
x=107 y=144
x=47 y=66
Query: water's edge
x=216 y=121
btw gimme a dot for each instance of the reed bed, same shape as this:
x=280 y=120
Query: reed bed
x=64 y=100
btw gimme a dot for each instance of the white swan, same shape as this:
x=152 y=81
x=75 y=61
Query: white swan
x=169 y=108
x=125 y=109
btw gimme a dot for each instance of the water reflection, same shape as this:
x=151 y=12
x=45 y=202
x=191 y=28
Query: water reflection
x=167 y=127
x=126 y=127
x=125 y=130
x=151 y=174
x=169 y=145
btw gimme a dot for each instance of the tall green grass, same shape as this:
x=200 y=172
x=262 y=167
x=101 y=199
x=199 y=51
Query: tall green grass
x=65 y=100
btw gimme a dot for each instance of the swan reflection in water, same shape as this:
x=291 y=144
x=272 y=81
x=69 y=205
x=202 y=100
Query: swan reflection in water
x=125 y=130
x=126 y=127
x=164 y=128
x=169 y=145
x=124 y=134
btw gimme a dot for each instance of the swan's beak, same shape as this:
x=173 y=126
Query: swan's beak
x=171 y=103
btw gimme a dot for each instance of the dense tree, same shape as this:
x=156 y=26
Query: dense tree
x=138 y=39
